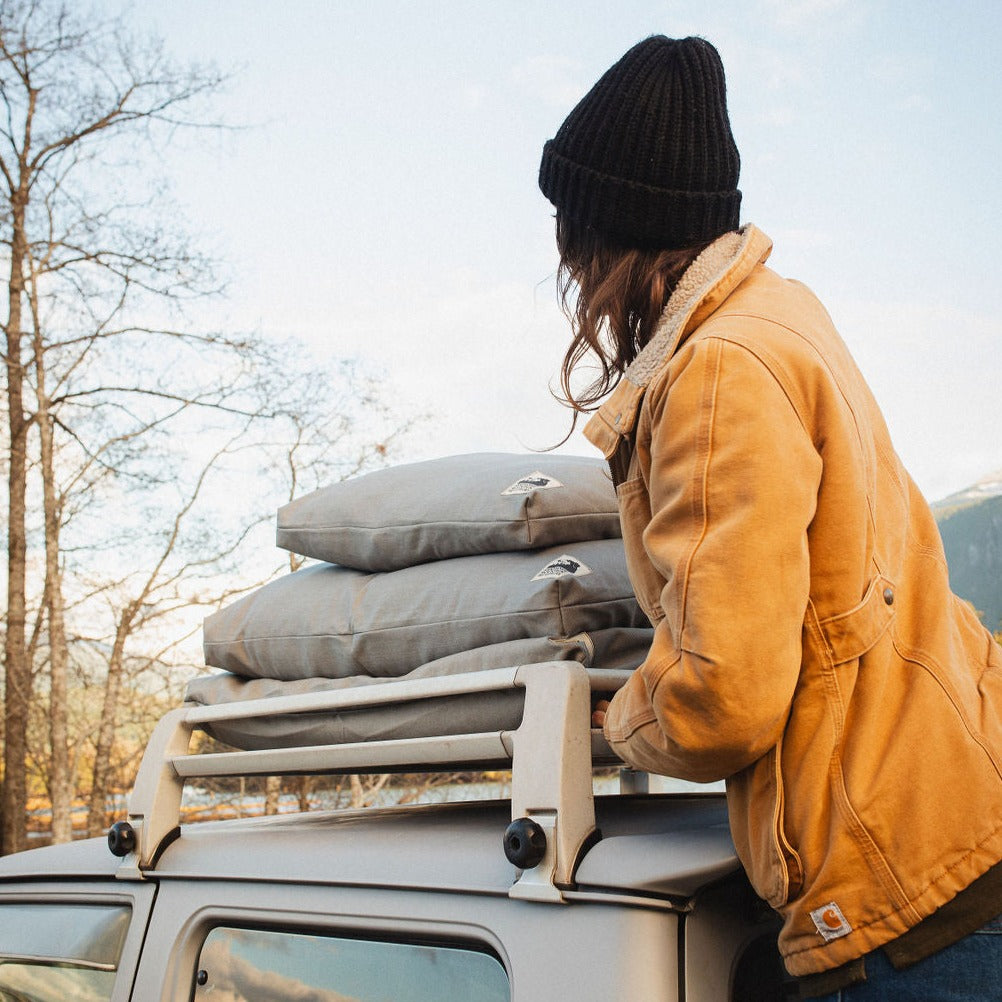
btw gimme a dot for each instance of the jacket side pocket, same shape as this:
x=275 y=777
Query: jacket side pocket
x=635 y=516
x=755 y=799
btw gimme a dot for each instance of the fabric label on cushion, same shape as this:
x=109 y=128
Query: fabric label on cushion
x=533 y=482
x=564 y=565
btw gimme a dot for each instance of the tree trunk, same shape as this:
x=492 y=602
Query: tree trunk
x=303 y=789
x=357 y=792
x=17 y=670
x=61 y=785
x=101 y=779
x=272 y=794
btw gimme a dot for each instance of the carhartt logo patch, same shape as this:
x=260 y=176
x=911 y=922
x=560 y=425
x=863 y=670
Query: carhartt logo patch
x=563 y=566
x=831 y=923
x=533 y=482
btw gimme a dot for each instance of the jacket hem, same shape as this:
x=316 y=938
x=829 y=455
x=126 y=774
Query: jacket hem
x=879 y=933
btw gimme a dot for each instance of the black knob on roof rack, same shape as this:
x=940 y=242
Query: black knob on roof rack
x=524 y=843
x=121 y=838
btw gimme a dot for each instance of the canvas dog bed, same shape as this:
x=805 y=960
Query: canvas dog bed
x=452 y=507
x=614 y=648
x=336 y=622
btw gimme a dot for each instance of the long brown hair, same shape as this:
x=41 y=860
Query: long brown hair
x=613 y=297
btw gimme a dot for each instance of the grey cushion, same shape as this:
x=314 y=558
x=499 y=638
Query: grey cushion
x=452 y=507
x=462 y=714
x=335 y=622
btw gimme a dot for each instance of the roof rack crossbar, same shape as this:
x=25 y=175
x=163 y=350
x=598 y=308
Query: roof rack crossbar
x=551 y=754
x=385 y=691
x=422 y=753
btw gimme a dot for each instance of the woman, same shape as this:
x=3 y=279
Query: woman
x=807 y=647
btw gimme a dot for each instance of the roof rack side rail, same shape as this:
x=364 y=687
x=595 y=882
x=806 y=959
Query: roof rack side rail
x=551 y=754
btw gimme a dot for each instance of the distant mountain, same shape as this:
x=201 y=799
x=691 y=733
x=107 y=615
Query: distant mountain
x=970 y=523
x=986 y=488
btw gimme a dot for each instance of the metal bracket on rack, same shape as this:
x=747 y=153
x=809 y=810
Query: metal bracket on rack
x=552 y=773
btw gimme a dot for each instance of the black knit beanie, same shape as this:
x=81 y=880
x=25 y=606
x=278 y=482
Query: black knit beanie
x=647 y=158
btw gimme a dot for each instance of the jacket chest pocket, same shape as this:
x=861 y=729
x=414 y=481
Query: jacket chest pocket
x=635 y=515
x=852 y=634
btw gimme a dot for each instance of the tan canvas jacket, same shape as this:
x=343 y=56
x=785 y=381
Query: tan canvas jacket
x=807 y=646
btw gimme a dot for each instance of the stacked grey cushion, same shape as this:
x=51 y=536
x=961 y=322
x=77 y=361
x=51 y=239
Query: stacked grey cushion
x=616 y=648
x=460 y=564
x=457 y=506
x=336 y=622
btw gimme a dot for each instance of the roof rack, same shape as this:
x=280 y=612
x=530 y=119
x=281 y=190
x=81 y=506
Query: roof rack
x=551 y=754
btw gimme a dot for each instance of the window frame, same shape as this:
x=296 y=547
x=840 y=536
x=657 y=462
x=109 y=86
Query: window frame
x=191 y=922
x=360 y=935
x=139 y=897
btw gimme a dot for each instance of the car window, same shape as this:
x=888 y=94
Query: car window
x=56 y=951
x=244 y=965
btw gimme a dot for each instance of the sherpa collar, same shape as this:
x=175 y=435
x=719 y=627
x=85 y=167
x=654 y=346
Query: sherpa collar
x=707 y=282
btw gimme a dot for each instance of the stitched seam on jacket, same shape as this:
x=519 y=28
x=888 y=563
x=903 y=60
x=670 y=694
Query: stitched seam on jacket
x=870 y=474
x=892 y=471
x=925 y=551
x=774 y=366
x=830 y=679
x=836 y=778
x=834 y=378
x=928 y=665
x=632 y=725
x=646 y=715
x=836 y=381
x=653 y=678
x=701 y=476
x=840 y=796
x=864 y=840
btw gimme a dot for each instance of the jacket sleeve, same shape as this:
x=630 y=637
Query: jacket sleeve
x=733 y=483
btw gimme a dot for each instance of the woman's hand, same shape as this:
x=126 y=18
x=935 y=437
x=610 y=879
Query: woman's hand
x=598 y=713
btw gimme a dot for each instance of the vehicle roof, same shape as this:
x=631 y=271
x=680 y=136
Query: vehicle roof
x=667 y=845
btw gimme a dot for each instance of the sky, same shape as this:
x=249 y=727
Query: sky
x=379 y=199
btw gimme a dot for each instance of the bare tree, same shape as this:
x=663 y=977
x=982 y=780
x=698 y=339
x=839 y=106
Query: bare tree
x=124 y=421
x=60 y=783
x=69 y=91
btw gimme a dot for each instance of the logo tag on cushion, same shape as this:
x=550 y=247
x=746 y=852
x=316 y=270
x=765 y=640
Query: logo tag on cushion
x=563 y=566
x=831 y=923
x=533 y=482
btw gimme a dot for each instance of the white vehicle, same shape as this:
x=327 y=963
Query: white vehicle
x=555 y=894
